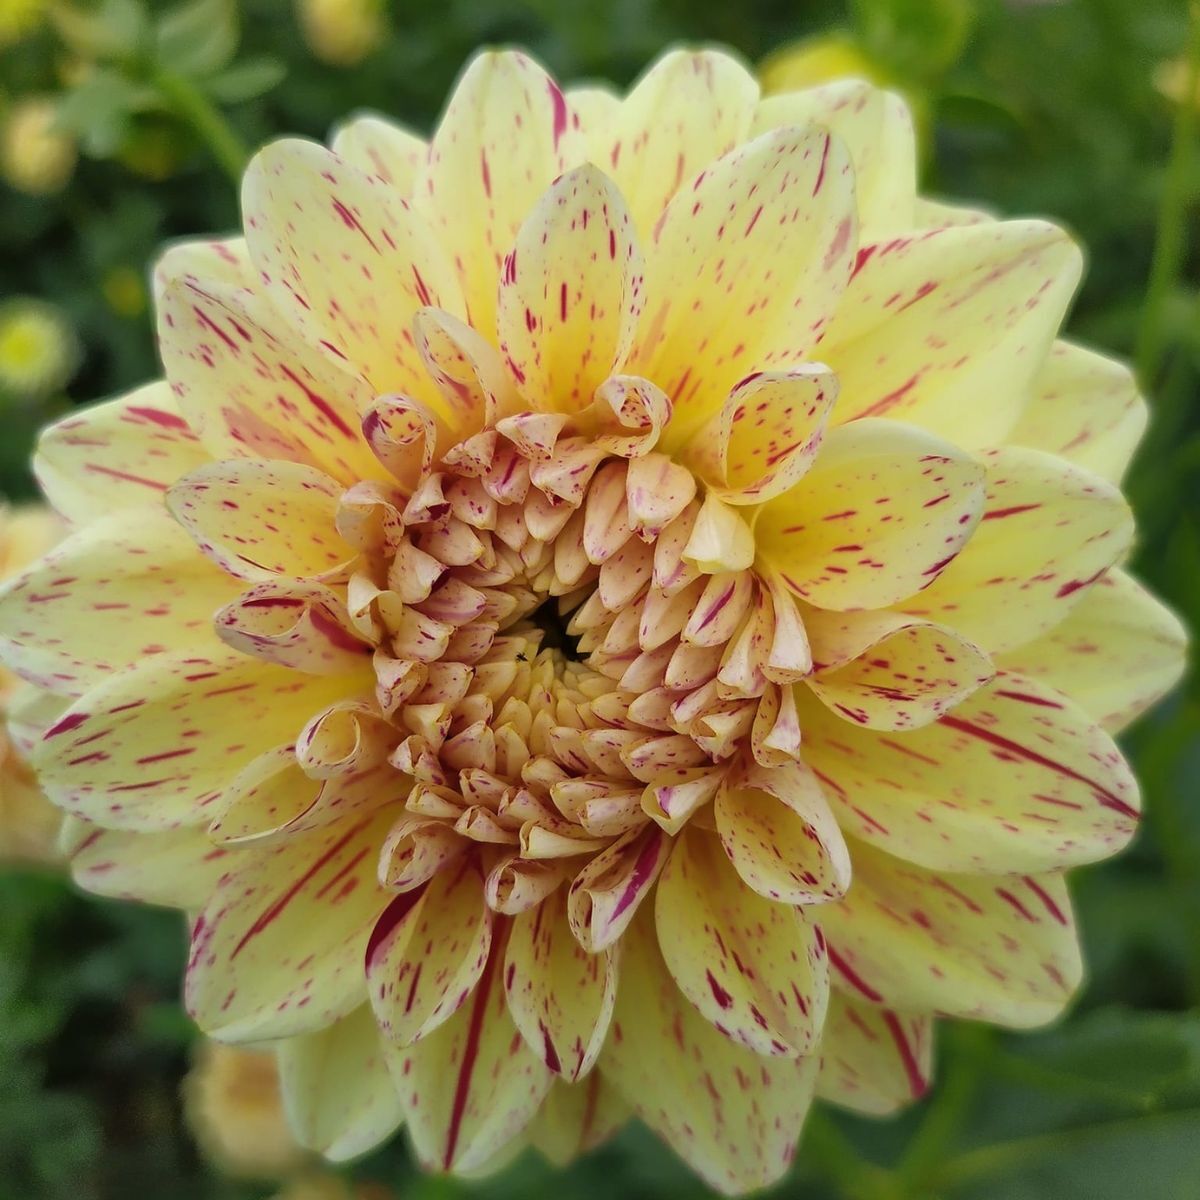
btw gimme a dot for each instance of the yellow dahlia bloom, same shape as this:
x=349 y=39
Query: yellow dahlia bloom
x=35 y=155
x=341 y=32
x=29 y=823
x=38 y=349
x=614 y=610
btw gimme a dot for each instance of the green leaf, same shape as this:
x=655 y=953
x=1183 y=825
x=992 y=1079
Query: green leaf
x=919 y=39
x=117 y=29
x=98 y=111
x=197 y=38
x=245 y=80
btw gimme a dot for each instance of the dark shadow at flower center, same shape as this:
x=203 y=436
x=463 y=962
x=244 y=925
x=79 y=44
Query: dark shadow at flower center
x=553 y=624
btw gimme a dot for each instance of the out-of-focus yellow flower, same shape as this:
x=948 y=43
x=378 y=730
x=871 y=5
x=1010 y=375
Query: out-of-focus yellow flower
x=35 y=156
x=29 y=823
x=1172 y=78
x=341 y=32
x=235 y=1111
x=38 y=349
x=19 y=18
x=124 y=291
x=628 y=520
x=816 y=60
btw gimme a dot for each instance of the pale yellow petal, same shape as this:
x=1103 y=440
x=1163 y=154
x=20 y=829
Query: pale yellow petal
x=382 y=148
x=576 y=1118
x=337 y=1091
x=731 y=1115
x=1000 y=949
x=946 y=328
x=1086 y=408
x=560 y=996
x=123 y=453
x=278 y=949
x=571 y=292
x=874 y=1060
x=596 y=108
x=506 y=135
x=754 y=968
x=152 y=746
x=122 y=589
x=472 y=1086
x=1049 y=531
x=877 y=128
x=1016 y=778
x=224 y=262
x=1118 y=651
x=882 y=511
x=746 y=266
x=345 y=259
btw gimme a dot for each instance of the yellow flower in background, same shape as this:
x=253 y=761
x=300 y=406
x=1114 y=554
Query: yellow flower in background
x=615 y=610
x=235 y=1110
x=35 y=156
x=817 y=60
x=19 y=18
x=29 y=823
x=124 y=291
x=38 y=348
x=341 y=32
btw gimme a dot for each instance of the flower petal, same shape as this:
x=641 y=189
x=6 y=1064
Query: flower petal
x=345 y=259
x=1118 y=651
x=560 y=996
x=224 y=262
x=731 y=1115
x=179 y=868
x=1049 y=531
x=571 y=292
x=882 y=670
x=883 y=510
x=999 y=949
x=337 y=1091
x=381 y=148
x=1016 y=778
x=471 y=1086
x=576 y=1118
x=874 y=1060
x=252 y=387
x=722 y=302
x=767 y=434
x=877 y=128
x=427 y=952
x=688 y=109
x=73 y=619
x=753 y=968
x=124 y=453
x=151 y=746
x=781 y=837
x=278 y=949
x=262 y=519
x=1085 y=408
x=506 y=135
x=946 y=328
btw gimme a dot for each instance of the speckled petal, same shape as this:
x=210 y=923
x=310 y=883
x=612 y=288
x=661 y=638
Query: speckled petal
x=946 y=328
x=874 y=1060
x=746 y=266
x=606 y=894
x=1085 y=408
x=224 y=262
x=123 y=453
x=560 y=997
x=278 y=948
x=381 y=148
x=1117 y=652
x=733 y=1116
x=153 y=745
x=999 y=949
x=755 y=969
x=1049 y=531
x=571 y=292
x=337 y=1091
x=427 y=952
x=688 y=109
x=878 y=131
x=576 y=1118
x=261 y=520
x=73 y=619
x=506 y=135
x=473 y=1085
x=345 y=260
x=880 y=514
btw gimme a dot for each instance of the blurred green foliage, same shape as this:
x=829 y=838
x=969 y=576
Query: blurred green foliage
x=1037 y=107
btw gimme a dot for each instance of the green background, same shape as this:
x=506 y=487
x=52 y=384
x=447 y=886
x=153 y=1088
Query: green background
x=1033 y=107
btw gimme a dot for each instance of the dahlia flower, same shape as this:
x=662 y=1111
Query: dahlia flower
x=616 y=610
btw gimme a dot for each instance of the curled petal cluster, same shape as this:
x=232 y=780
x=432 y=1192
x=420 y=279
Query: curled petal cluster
x=615 y=610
